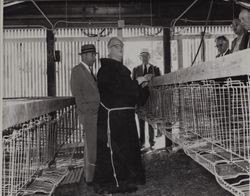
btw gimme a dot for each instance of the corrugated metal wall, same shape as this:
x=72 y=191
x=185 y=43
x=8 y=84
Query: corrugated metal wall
x=25 y=57
x=187 y=40
x=25 y=53
x=69 y=42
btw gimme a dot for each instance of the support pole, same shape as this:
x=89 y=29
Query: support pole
x=167 y=50
x=203 y=47
x=167 y=66
x=51 y=66
x=51 y=89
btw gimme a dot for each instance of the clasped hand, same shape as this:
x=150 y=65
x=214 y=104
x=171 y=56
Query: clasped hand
x=143 y=80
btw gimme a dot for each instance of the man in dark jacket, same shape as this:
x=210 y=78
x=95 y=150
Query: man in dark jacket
x=141 y=70
x=244 y=17
x=119 y=166
x=222 y=45
x=239 y=42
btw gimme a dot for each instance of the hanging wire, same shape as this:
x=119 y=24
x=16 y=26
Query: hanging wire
x=99 y=34
x=173 y=22
x=151 y=13
x=52 y=26
x=204 y=32
x=233 y=8
x=151 y=23
x=66 y=2
x=119 y=14
x=69 y=22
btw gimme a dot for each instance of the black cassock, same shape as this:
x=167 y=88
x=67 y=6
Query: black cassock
x=118 y=90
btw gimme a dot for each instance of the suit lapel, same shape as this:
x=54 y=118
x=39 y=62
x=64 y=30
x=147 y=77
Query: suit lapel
x=87 y=73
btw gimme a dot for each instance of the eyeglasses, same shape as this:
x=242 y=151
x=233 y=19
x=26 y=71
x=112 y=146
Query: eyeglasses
x=117 y=46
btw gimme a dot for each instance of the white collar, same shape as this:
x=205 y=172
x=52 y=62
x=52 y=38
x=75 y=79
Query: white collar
x=86 y=66
x=224 y=53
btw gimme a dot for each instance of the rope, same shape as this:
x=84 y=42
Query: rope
x=109 y=145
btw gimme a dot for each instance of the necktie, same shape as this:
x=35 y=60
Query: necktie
x=145 y=71
x=91 y=71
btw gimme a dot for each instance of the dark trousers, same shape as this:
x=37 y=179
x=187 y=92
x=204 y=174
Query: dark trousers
x=142 y=133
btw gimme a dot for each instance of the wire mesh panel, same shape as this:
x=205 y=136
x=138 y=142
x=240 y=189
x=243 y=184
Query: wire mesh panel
x=31 y=146
x=209 y=118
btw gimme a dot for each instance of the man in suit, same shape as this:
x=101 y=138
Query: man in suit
x=84 y=89
x=141 y=70
x=222 y=45
x=239 y=42
x=244 y=17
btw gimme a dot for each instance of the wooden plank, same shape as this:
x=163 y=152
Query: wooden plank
x=236 y=64
x=20 y=110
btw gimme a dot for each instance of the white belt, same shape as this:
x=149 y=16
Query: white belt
x=109 y=135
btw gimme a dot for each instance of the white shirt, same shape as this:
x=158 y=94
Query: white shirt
x=86 y=66
x=148 y=65
x=224 y=53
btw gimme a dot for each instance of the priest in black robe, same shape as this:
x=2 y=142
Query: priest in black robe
x=119 y=166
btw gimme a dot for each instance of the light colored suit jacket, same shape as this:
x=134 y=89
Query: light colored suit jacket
x=85 y=91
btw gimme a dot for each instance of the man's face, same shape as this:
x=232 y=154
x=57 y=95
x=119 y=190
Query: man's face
x=221 y=45
x=116 y=51
x=89 y=58
x=244 y=17
x=145 y=58
x=237 y=27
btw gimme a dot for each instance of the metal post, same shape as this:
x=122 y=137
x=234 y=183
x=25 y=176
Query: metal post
x=167 y=65
x=51 y=84
x=51 y=66
x=203 y=48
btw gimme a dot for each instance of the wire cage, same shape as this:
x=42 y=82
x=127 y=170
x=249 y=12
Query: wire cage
x=30 y=148
x=212 y=122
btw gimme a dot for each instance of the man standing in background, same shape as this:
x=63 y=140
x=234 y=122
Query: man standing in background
x=141 y=70
x=84 y=89
x=239 y=42
x=244 y=17
x=222 y=45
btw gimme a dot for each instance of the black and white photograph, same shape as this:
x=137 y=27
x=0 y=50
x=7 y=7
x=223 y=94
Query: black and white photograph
x=125 y=97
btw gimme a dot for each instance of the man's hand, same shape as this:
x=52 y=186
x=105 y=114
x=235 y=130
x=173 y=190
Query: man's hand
x=144 y=84
x=141 y=79
x=148 y=76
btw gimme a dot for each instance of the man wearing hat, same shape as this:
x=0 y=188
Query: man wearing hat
x=141 y=70
x=244 y=17
x=84 y=89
